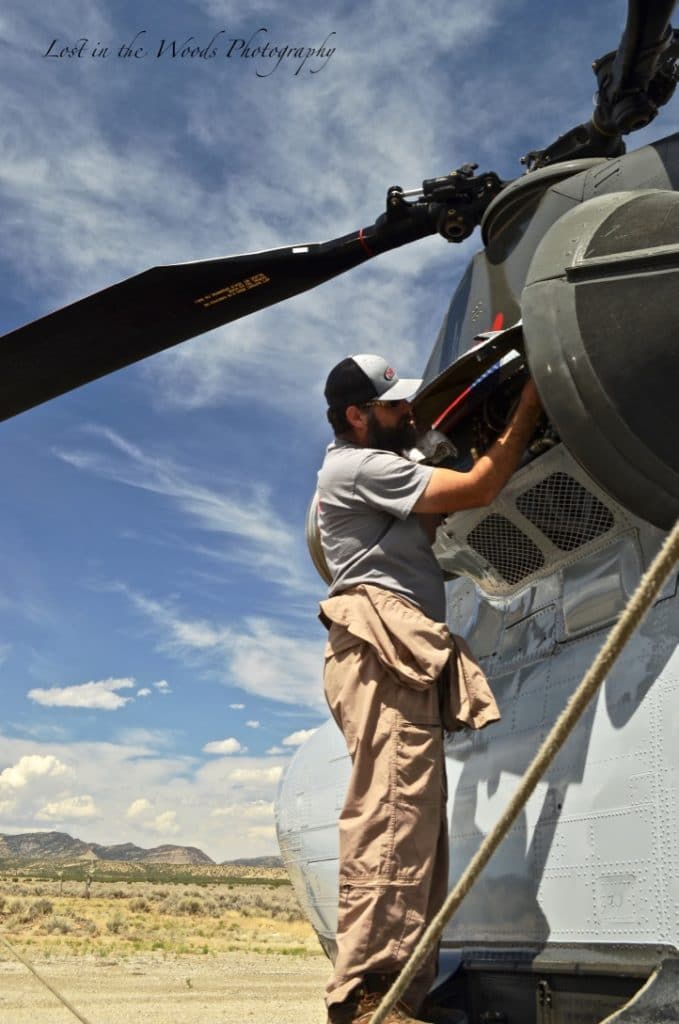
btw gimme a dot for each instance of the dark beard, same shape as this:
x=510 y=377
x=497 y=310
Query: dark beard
x=391 y=439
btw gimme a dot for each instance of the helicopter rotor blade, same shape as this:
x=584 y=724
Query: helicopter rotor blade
x=164 y=306
x=157 y=309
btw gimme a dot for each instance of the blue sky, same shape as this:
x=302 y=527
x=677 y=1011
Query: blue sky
x=160 y=657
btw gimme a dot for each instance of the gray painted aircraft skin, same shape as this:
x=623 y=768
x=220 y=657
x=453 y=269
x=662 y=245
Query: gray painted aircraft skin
x=589 y=874
x=594 y=858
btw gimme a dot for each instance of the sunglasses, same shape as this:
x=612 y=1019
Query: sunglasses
x=390 y=403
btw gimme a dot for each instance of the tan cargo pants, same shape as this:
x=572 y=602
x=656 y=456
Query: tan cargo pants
x=393 y=870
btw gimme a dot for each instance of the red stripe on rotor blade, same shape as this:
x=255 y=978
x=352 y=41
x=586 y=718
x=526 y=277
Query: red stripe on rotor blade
x=364 y=243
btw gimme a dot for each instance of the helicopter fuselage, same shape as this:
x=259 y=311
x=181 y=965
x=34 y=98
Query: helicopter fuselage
x=580 y=900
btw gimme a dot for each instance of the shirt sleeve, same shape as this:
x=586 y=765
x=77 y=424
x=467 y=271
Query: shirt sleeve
x=391 y=483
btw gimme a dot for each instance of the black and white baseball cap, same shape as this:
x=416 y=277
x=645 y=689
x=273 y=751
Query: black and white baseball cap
x=363 y=378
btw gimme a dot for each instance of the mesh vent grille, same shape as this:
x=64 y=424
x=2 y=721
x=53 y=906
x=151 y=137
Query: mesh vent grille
x=565 y=511
x=510 y=552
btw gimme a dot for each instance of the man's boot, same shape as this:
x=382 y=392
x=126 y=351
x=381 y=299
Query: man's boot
x=343 y=1013
x=362 y=1003
x=399 y=1014
x=374 y=989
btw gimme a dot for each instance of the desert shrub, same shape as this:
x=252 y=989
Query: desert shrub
x=139 y=905
x=40 y=908
x=170 y=905
x=57 y=924
x=190 y=905
x=116 y=923
x=234 y=902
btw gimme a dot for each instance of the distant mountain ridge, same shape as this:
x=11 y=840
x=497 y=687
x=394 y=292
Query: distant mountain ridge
x=61 y=846
x=255 y=862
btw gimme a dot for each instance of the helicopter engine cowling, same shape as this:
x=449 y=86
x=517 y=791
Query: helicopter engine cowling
x=601 y=326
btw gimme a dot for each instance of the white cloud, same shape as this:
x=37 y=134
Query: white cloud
x=257 y=809
x=144 y=692
x=162 y=686
x=277 y=750
x=296 y=739
x=243 y=510
x=70 y=808
x=101 y=695
x=7 y=806
x=138 y=808
x=166 y=824
x=32 y=767
x=237 y=707
x=256 y=776
x=263 y=657
x=227 y=746
x=120 y=774
x=262 y=832
x=146 y=740
x=272 y=663
x=252 y=724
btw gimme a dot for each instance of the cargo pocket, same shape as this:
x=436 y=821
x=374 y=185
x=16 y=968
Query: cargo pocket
x=418 y=797
x=418 y=760
x=340 y=675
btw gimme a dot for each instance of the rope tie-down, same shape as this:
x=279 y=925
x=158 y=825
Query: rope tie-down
x=637 y=607
x=26 y=962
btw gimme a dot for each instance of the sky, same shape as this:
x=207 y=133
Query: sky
x=160 y=655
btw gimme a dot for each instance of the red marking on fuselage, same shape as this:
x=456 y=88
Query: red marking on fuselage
x=498 y=322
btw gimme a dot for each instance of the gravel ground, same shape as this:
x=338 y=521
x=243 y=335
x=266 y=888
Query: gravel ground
x=232 y=988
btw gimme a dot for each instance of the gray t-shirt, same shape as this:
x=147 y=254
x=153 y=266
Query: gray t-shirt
x=365 y=500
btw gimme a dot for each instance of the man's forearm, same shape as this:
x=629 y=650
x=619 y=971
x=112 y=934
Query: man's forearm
x=494 y=468
x=451 y=491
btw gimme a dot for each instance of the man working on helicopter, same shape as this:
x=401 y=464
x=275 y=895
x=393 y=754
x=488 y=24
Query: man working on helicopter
x=388 y=646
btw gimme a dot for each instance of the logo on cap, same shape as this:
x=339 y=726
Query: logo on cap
x=389 y=373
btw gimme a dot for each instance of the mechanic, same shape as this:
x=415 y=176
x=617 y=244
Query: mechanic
x=388 y=647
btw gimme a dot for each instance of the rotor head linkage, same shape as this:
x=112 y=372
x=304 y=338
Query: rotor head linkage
x=454 y=203
x=633 y=82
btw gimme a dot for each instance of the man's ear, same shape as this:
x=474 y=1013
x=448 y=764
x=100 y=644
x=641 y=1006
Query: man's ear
x=356 y=416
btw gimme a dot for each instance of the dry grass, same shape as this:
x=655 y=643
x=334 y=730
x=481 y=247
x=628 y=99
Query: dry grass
x=53 y=917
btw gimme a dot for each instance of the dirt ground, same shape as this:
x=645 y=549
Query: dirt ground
x=227 y=988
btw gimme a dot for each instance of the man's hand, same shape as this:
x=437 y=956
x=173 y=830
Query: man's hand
x=449 y=491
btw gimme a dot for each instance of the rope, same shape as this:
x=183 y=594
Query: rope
x=637 y=607
x=45 y=982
